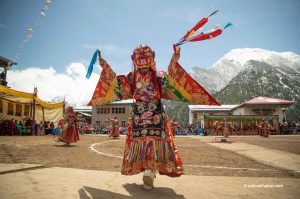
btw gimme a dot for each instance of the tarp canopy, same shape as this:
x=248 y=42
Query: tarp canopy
x=44 y=111
x=22 y=97
x=50 y=115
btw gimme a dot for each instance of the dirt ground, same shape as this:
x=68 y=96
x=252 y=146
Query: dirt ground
x=195 y=153
x=289 y=143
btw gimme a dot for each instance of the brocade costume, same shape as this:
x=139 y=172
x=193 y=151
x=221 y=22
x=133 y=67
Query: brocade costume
x=69 y=131
x=149 y=142
x=114 y=132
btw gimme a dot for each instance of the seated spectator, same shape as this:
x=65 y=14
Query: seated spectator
x=199 y=130
x=41 y=129
x=47 y=128
x=52 y=127
x=36 y=128
x=8 y=127
x=28 y=125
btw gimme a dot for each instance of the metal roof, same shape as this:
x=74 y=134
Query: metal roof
x=268 y=100
x=85 y=114
x=129 y=101
x=4 y=62
x=261 y=101
x=254 y=101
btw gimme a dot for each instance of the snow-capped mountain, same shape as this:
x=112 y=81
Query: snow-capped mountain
x=258 y=78
x=225 y=69
x=211 y=80
x=261 y=79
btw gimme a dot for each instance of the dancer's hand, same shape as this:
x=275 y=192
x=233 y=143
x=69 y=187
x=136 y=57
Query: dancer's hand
x=176 y=49
x=175 y=56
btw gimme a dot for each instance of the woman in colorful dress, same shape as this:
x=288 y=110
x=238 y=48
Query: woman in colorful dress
x=69 y=131
x=265 y=128
x=41 y=129
x=114 y=132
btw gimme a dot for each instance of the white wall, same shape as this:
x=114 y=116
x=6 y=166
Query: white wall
x=104 y=117
x=248 y=111
x=279 y=112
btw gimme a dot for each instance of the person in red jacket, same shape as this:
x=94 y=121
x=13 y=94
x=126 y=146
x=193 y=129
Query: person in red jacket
x=114 y=132
x=69 y=131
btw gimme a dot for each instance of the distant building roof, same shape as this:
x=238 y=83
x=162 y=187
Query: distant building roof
x=254 y=101
x=262 y=101
x=89 y=108
x=211 y=107
x=84 y=108
x=85 y=114
x=6 y=62
x=268 y=100
x=129 y=101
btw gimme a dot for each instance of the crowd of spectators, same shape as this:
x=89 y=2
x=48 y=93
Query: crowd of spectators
x=102 y=129
x=29 y=127
x=85 y=128
x=289 y=127
x=26 y=127
x=189 y=129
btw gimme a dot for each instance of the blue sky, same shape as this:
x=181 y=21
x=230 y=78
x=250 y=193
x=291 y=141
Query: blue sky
x=73 y=29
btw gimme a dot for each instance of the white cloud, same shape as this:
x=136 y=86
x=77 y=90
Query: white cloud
x=71 y=85
x=76 y=69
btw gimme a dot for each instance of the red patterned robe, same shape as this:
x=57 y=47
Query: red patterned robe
x=115 y=129
x=149 y=141
x=69 y=131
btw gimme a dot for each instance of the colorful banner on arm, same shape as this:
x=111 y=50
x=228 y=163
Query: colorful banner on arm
x=203 y=35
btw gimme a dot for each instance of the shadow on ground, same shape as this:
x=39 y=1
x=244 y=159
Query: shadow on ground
x=135 y=191
x=64 y=145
